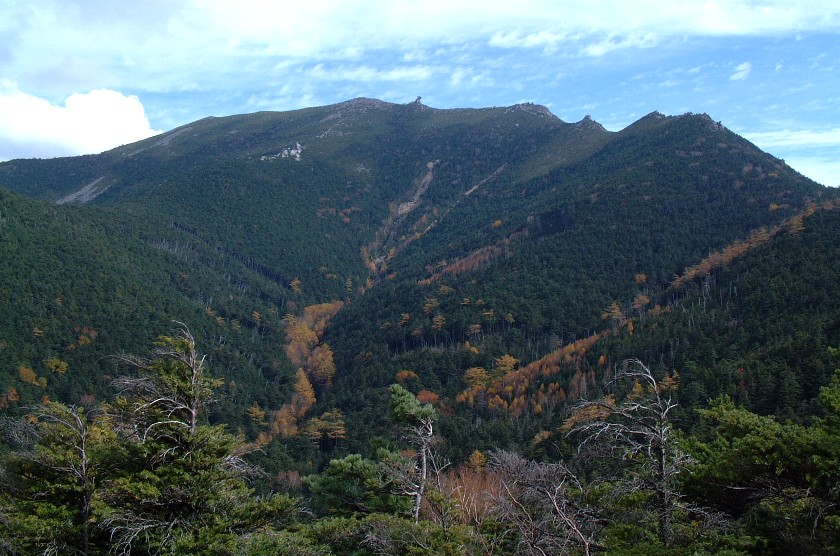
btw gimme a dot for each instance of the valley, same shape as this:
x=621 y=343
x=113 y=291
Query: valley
x=499 y=265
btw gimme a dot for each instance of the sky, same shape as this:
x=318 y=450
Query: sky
x=84 y=76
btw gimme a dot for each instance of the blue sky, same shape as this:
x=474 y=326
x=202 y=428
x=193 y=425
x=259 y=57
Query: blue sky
x=85 y=76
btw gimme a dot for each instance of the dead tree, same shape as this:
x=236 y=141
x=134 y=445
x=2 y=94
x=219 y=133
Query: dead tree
x=546 y=507
x=636 y=435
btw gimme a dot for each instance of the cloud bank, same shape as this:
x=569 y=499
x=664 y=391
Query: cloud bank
x=169 y=45
x=86 y=123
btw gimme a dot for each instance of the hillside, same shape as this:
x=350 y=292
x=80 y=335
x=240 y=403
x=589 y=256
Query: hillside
x=363 y=239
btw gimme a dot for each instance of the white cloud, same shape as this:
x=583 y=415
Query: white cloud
x=741 y=71
x=813 y=153
x=86 y=123
x=514 y=39
x=795 y=138
x=825 y=171
x=605 y=46
x=461 y=76
x=368 y=74
x=159 y=44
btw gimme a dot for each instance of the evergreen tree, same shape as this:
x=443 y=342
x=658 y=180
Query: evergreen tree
x=418 y=420
x=50 y=482
x=780 y=479
x=187 y=490
x=354 y=485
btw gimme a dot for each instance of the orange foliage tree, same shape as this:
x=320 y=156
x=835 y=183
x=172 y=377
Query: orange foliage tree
x=404 y=376
x=304 y=347
x=427 y=396
x=524 y=388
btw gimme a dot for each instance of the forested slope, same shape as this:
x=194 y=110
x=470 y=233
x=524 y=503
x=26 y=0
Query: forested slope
x=425 y=325
x=359 y=240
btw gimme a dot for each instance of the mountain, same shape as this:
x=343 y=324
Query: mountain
x=368 y=243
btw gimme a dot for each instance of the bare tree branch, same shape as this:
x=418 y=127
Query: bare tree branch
x=547 y=505
x=638 y=436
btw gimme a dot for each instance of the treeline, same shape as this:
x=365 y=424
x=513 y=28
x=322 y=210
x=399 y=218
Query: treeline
x=148 y=474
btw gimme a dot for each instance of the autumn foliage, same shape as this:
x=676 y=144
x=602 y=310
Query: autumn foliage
x=529 y=388
x=724 y=257
x=304 y=347
x=477 y=259
x=9 y=397
x=405 y=375
x=315 y=365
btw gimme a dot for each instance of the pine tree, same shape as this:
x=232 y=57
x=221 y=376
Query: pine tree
x=418 y=420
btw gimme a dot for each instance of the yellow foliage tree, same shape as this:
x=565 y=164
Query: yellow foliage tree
x=476 y=377
x=329 y=425
x=334 y=428
x=613 y=312
x=284 y=422
x=430 y=304
x=640 y=301
x=477 y=460
x=588 y=413
x=505 y=364
x=27 y=375
x=295 y=285
x=257 y=414
x=304 y=396
x=614 y=315
x=322 y=364
x=56 y=365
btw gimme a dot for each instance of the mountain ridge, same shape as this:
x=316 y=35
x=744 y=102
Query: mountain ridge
x=444 y=239
x=275 y=121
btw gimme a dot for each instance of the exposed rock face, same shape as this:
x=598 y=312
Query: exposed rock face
x=85 y=194
x=535 y=109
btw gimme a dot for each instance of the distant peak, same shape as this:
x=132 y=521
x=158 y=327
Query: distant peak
x=588 y=123
x=706 y=119
x=656 y=118
x=364 y=103
x=534 y=109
